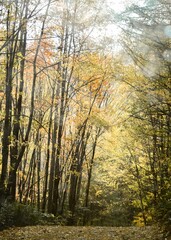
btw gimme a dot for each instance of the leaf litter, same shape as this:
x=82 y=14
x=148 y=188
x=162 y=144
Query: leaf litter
x=80 y=233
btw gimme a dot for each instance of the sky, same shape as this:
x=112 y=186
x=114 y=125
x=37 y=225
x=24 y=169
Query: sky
x=111 y=31
x=117 y=5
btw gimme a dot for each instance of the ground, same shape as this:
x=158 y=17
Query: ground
x=80 y=233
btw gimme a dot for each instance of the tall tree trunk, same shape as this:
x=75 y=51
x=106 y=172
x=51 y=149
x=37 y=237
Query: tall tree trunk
x=38 y=171
x=90 y=168
x=53 y=156
x=16 y=122
x=6 y=138
x=58 y=150
x=17 y=160
x=44 y=200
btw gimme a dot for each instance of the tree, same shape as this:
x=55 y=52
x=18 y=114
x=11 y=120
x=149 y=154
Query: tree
x=14 y=144
x=151 y=110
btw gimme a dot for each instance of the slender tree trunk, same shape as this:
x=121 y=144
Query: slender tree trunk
x=90 y=168
x=28 y=130
x=38 y=172
x=47 y=157
x=6 y=138
x=58 y=151
x=53 y=156
x=16 y=122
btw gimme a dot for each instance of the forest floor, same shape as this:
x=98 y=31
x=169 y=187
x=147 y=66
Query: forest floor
x=80 y=233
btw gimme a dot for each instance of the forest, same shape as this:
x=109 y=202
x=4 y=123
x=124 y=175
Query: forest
x=85 y=112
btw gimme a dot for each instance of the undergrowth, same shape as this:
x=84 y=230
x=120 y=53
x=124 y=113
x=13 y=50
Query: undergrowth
x=20 y=215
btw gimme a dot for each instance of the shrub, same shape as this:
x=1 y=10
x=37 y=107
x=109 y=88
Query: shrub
x=20 y=215
x=16 y=214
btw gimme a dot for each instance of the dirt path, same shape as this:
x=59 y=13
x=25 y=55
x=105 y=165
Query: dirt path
x=80 y=233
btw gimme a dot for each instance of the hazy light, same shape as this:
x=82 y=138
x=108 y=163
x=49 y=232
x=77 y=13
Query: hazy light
x=150 y=70
x=167 y=31
x=116 y=5
x=167 y=55
x=153 y=67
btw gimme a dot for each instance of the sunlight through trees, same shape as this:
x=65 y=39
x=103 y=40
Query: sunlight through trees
x=85 y=110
